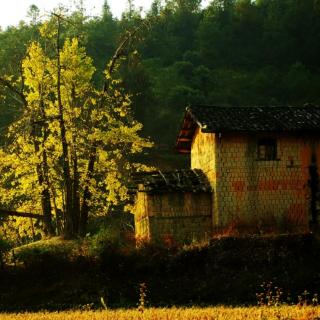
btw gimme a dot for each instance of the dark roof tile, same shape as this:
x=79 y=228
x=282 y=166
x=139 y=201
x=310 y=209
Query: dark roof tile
x=246 y=119
x=214 y=118
x=173 y=181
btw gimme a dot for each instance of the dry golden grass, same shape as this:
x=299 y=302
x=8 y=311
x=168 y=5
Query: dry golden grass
x=218 y=313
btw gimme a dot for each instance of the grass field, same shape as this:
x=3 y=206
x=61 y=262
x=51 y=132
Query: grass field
x=217 y=313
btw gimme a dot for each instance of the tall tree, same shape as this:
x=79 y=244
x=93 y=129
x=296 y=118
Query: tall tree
x=76 y=141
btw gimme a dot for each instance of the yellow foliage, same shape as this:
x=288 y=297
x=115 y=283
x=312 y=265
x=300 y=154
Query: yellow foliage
x=91 y=117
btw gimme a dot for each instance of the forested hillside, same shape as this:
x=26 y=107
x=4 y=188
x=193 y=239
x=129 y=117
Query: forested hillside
x=234 y=52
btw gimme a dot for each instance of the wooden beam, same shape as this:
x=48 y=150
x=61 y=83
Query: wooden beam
x=184 y=150
x=180 y=217
x=8 y=213
x=184 y=132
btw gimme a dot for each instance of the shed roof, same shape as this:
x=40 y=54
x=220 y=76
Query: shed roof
x=247 y=119
x=185 y=180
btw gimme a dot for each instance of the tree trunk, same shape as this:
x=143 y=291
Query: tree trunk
x=46 y=205
x=70 y=230
x=76 y=178
x=93 y=152
x=46 y=198
x=87 y=193
x=75 y=190
x=45 y=194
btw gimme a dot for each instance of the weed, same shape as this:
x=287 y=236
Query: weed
x=306 y=299
x=87 y=307
x=103 y=303
x=270 y=296
x=142 y=296
x=315 y=299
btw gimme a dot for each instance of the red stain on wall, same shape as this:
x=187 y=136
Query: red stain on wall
x=297 y=214
x=305 y=156
x=239 y=186
x=270 y=185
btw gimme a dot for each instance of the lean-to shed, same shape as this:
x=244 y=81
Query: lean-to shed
x=173 y=205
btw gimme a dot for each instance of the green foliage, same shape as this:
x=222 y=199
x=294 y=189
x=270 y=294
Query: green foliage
x=54 y=250
x=241 y=52
x=114 y=233
x=105 y=238
x=5 y=246
x=247 y=52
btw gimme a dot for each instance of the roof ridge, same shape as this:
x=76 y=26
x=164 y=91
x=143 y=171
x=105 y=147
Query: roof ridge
x=302 y=119
x=304 y=106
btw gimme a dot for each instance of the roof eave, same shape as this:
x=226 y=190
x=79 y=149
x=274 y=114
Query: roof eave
x=186 y=133
x=239 y=131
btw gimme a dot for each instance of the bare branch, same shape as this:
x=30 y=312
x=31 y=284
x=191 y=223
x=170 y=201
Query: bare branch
x=120 y=51
x=10 y=86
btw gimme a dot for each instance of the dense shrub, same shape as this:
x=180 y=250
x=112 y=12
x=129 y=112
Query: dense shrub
x=112 y=233
x=229 y=270
x=4 y=248
x=44 y=254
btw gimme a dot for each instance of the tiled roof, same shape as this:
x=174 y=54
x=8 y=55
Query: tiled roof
x=173 y=181
x=247 y=119
x=211 y=119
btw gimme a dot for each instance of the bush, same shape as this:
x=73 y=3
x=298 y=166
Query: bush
x=5 y=246
x=113 y=232
x=44 y=252
x=109 y=237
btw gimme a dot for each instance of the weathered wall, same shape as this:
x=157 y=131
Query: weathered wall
x=252 y=192
x=141 y=219
x=177 y=216
x=266 y=192
x=203 y=156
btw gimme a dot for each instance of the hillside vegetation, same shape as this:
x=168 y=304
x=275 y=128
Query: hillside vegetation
x=237 y=52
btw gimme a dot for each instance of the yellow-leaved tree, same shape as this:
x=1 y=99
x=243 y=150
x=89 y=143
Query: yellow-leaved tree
x=69 y=152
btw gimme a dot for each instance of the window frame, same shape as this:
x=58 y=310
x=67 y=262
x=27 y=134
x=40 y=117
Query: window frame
x=270 y=152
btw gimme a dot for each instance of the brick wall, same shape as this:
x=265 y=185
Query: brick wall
x=141 y=218
x=203 y=156
x=251 y=192
x=178 y=216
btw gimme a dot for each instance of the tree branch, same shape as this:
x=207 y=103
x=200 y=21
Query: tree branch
x=8 y=213
x=120 y=51
x=9 y=85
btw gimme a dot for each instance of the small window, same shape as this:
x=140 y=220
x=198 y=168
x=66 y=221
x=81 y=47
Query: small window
x=267 y=149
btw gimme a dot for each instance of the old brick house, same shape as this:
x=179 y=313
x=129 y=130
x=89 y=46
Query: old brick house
x=252 y=168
